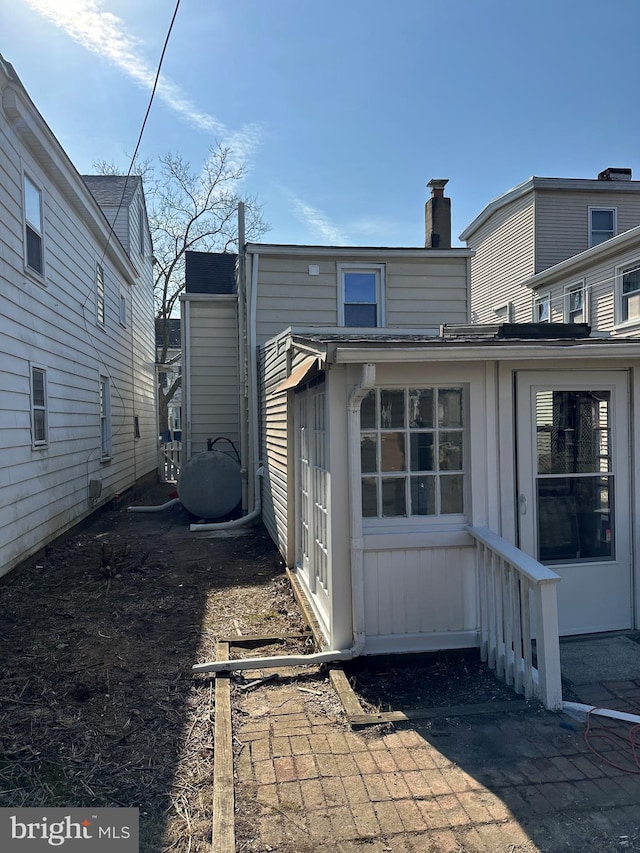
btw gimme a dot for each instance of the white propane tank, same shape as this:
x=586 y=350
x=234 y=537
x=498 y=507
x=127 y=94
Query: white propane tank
x=209 y=485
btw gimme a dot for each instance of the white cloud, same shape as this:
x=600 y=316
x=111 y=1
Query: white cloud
x=105 y=34
x=319 y=222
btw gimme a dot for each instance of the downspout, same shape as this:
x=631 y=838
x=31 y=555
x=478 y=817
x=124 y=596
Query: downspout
x=356 y=548
x=253 y=443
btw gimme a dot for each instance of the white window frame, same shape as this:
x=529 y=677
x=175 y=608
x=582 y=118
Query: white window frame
x=379 y=522
x=598 y=209
x=621 y=299
x=123 y=309
x=36 y=228
x=379 y=270
x=141 y=229
x=568 y=290
x=38 y=443
x=101 y=302
x=542 y=308
x=104 y=404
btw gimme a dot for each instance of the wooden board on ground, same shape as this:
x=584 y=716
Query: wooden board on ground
x=223 y=793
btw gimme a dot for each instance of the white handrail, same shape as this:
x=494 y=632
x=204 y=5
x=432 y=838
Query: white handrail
x=517 y=597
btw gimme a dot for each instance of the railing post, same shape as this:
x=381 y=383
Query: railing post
x=548 y=646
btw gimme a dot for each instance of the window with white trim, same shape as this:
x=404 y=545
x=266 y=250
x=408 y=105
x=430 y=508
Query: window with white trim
x=39 y=415
x=602 y=224
x=105 y=417
x=33 y=227
x=412 y=452
x=361 y=301
x=575 y=310
x=542 y=309
x=629 y=279
x=99 y=294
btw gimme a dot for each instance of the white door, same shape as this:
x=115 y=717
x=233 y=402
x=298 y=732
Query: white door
x=573 y=491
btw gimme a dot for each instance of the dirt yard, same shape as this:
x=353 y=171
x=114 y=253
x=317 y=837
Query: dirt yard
x=98 y=704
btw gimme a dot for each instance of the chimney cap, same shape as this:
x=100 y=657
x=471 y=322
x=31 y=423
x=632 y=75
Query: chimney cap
x=438 y=183
x=615 y=174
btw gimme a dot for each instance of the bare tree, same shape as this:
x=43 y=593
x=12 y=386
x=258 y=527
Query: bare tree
x=189 y=210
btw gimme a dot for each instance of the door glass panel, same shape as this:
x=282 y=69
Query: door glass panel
x=573 y=432
x=575 y=519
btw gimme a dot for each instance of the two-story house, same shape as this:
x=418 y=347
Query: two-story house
x=536 y=225
x=77 y=375
x=395 y=451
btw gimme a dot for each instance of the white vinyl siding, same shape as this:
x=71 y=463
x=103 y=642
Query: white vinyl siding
x=214 y=376
x=46 y=493
x=504 y=258
x=420 y=292
x=563 y=220
x=275 y=448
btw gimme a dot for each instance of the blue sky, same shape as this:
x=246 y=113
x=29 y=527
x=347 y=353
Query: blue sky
x=342 y=109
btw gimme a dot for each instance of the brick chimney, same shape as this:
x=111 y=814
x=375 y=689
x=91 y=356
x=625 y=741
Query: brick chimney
x=437 y=216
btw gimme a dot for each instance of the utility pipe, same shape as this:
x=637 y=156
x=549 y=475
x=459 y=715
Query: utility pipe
x=579 y=710
x=242 y=353
x=158 y=508
x=356 y=545
x=236 y=522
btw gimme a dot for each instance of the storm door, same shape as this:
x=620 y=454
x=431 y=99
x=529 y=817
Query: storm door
x=573 y=492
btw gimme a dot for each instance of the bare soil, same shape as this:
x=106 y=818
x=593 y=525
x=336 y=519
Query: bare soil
x=98 y=634
x=98 y=702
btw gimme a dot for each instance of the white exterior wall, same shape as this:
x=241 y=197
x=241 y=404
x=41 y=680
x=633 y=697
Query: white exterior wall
x=562 y=221
x=211 y=407
x=600 y=275
x=52 y=324
x=420 y=292
x=504 y=247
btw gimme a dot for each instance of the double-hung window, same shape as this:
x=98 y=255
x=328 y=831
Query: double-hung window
x=574 y=304
x=100 y=303
x=629 y=283
x=412 y=452
x=33 y=227
x=105 y=418
x=361 y=300
x=602 y=224
x=39 y=419
x=542 y=309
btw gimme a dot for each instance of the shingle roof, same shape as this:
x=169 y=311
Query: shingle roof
x=210 y=272
x=111 y=190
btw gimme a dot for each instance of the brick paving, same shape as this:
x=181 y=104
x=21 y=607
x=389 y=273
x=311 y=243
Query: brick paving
x=518 y=782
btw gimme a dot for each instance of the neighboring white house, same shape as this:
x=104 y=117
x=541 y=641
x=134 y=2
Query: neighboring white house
x=600 y=286
x=536 y=225
x=77 y=373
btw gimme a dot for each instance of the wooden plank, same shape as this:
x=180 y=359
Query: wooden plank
x=262 y=639
x=436 y=713
x=346 y=695
x=307 y=613
x=223 y=794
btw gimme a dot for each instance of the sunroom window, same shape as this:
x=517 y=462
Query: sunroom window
x=412 y=452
